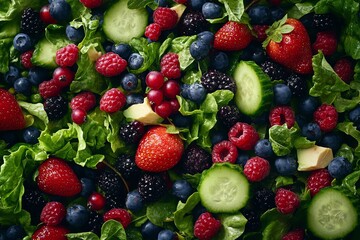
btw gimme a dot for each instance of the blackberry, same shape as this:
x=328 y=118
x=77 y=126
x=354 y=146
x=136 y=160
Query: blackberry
x=324 y=22
x=55 y=107
x=274 y=70
x=195 y=159
x=229 y=115
x=214 y=80
x=253 y=220
x=95 y=222
x=297 y=85
x=126 y=166
x=113 y=186
x=132 y=132
x=114 y=201
x=192 y=22
x=151 y=187
x=33 y=201
x=263 y=199
x=31 y=23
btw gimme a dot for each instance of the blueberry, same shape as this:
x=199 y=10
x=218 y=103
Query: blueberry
x=206 y=36
x=134 y=201
x=75 y=35
x=311 y=131
x=23 y=85
x=258 y=55
x=37 y=75
x=308 y=105
x=286 y=165
x=197 y=93
x=277 y=13
x=301 y=120
x=184 y=90
x=199 y=49
x=77 y=216
x=3 y=235
x=31 y=134
x=218 y=136
x=135 y=61
x=150 y=231
x=134 y=98
x=129 y=82
x=339 y=167
x=122 y=49
x=242 y=158
x=282 y=94
x=87 y=187
x=60 y=10
x=161 y=3
x=331 y=140
x=22 y=42
x=15 y=232
x=220 y=61
x=196 y=4
x=211 y=10
x=354 y=115
x=260 y=15
x=198 y=210
x=181 y=121
x=11 y=75
x=107 y=45
x=263 y=148
x=182 y=189
x=166 y=235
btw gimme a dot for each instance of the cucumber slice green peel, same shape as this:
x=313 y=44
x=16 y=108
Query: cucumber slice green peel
x=223 y=188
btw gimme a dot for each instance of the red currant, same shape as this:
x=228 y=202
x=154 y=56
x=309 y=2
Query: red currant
x=63 y=76
x=175 y=105
x=164 y=110
x=155 y=97
x=171 y=88
x=45 y=15
x=78 y=116
x=96 y=201
x=154 y=80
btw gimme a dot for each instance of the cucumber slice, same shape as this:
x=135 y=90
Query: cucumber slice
x=223 y=188
x=254 y=88
x=121 y=24
x=331 y=214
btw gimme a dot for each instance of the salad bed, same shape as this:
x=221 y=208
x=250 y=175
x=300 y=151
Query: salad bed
x=145 y=119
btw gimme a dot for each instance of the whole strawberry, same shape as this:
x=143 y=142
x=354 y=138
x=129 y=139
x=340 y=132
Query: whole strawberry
x=206 y=226
x=158 y=150
x=57 y=178
x=11 y=116
x=50 y=232
x=233 y=36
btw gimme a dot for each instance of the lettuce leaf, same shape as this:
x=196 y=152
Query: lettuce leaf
x=274 y=224
x=161 y=211
x=282 y=139
x=349 y=129
x=181 y=46
x=36 y=112
x=9 y=10
x=234 y=9
x=232 y=226
x=149 y=51
x=300 y=9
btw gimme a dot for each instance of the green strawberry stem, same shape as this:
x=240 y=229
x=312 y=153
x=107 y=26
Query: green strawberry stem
x=276 y=31
x=119 y=174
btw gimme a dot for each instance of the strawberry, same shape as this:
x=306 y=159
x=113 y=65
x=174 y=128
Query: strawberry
x=158 y=150
x=289 y=45
x=11 y=116
x=56 y=177
x=233 y=36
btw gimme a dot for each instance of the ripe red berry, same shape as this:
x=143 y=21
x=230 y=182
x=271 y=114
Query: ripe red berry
x=53 y=213
x=260 y=31
x=286 y=201
x=224 y=151
x=165 y=17
x=325 y=42
x=110 y=64
x=50 y=232
x=175 y=105
x=84 y=100
x=25 y=59
x=256 y=169
x=67 y=56
x=326 y=117
x=45 y=15
x=164 y=109
x=155 y=97
x=154 y=80
x=344 y=68
x=49 y=89
x=96 y=201
x=91 y=3
x=282 y=114
x=206 y=226
x=296 y=234
x=153 y=31
x=171 y=89
x=78 y=116
x=63 y=76
x=181 y=1
x=112 y=101
x=243 y=135
x=119 y=214
x=317 y=180
x=170 y=66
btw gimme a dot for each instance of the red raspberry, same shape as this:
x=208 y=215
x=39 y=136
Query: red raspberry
x=325 y=42
x=260 y=31
x=326 y=117
x=296 y=234
x=50 y=232
x=170 y=66
x=206 y=226
x=112 y=101
x=243 y=135
x=53 y=213
x=256 y=169
x=91 y=3
x=281 y=115
x=165 y=17
x=110 y=64
x=224 y=151
x=67 y=56
x=119 y=214
x=25 y=59
x=49 y=89
x=153 y=31
x=344 y=68
x=317 y=180
x=286 y=201
x=84 y=100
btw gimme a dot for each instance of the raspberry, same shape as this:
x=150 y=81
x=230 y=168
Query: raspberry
x=286 y=201
x=325 y=42
x=296 y=234
x=91 y=3
x=344 y=68
x=317 y=180
x=260 y=31
x=53 y=213
x=84 y=100
x=119 y=214
x=165 y=17
x=110 y=64
x=256 y=169
x=25 y=59
x=153 y=31
x=50 y=232
x=281 y=115
x=49 y=89
x=206 y=226
x=243 y=135
x=326 y=117
x=170 y=66
x=67 y=56
x=224 y=151
x=112 y=101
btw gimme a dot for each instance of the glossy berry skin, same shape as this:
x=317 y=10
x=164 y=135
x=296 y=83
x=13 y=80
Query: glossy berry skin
x=207 y=37
x=181 y=189
x=22 y=42
x=60 y=10
x=166 y=235
x=154 y=80
x=112 y=101
x=14 y=232
x=84 y=101
x=256 y=169
x=134 y=201
x=206 y=226
x=23 y=85
x=243 y=135
x=232 y=36
x=129 y=82
x=196 y=4
x=327 y=117
x=96 y=201
x=220 y=61
x=326 y=42
x=74 y=34
x=110 y=64
x=134 y=98
x=199 y=49
x=153 y=31
x=37 y=75
x=224 y=151
x=339 y=167
x=165 y=17
x=91 y=3
x=354 y=115
x=45 y=15
x=164 y=109
x=119 y=214
x=135 y=61
x=63 y=76
x=260 y=15
x=211 y=10
x=87 y=187
x=331 y=140
x=281 y=115
x=67 y=56
x=170 y=66
x=31 y=134
x=11 y=75
x=77 y=216
x=150 y=230
x=308 y=105
x=50 y=232
x=11 y=116
x=53 y=213
x=171 y=89
x=311 y=131
x=155 y=97
x=282 y=94
x=286 y=166
x=286 y=201
x=122 y=49
x=317 y=180
x=263 y=148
